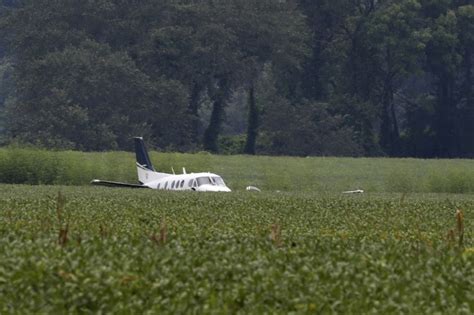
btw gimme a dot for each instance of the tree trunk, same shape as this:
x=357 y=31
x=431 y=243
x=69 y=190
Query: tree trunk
x=211 y=135
x=253 y=123
x=394 y=127
x=465 y=117
x=444 y=118
x=389 y=134
x=193 y=110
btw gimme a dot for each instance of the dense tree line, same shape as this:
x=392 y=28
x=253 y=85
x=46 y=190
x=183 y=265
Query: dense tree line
x=298 y=77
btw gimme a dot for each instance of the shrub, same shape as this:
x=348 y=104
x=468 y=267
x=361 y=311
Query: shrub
x=453 y=182
x=28 y=166
x=231 y=144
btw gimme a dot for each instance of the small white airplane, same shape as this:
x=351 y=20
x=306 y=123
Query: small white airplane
x=149 y=178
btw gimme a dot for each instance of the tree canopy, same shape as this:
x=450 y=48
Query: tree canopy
x=319 y=77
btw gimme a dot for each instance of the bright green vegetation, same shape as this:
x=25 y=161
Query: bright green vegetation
x=144 y=251
x=269 y=173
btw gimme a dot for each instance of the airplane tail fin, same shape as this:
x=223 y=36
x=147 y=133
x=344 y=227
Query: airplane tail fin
x=146 y=171
x=143 y=159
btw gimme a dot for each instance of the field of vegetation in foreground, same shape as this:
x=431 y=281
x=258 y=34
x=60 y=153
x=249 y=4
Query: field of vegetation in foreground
x=118 y=250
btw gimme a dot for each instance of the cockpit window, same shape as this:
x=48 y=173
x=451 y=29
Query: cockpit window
x=218 y=181
x=204 y=181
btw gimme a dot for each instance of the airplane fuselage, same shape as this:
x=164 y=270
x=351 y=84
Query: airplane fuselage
x=192 y=181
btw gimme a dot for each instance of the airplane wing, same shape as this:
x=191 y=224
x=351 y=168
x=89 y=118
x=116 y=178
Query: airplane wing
x=98 y=182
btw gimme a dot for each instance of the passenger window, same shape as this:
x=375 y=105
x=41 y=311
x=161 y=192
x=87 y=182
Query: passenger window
x=166 y=185
x=172 y=184
x=190 y=183
x=182 y=183
x=158 y=186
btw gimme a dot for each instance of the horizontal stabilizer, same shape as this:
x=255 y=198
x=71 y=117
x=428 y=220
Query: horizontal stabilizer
x=98 y=182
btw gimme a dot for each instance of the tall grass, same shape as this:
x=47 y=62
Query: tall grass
x=31 y=166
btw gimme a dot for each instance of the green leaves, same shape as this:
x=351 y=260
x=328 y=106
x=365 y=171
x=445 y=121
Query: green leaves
x=396 y=75
x=345 y=255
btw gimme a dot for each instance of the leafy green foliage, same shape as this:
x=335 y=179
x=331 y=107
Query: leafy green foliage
x=240 y=252
x=389 y=77
x=232 y=144
x=308 y=129
x=395 y=69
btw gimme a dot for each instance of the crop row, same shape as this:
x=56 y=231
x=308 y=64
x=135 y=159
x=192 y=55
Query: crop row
x=105 y=250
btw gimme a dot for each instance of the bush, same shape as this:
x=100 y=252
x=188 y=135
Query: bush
x=454 y=182
x=232 y=144
x=28 y=166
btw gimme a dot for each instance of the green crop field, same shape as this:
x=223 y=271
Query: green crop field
x=100 y=250
x=312 y=174
x=404 y=246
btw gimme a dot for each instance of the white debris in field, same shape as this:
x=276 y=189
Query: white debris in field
x=252 y=188
x=358 y=191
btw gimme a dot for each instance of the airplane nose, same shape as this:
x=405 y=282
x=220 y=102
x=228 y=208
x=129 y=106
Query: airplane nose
x=212 y=188
x=221 y=188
